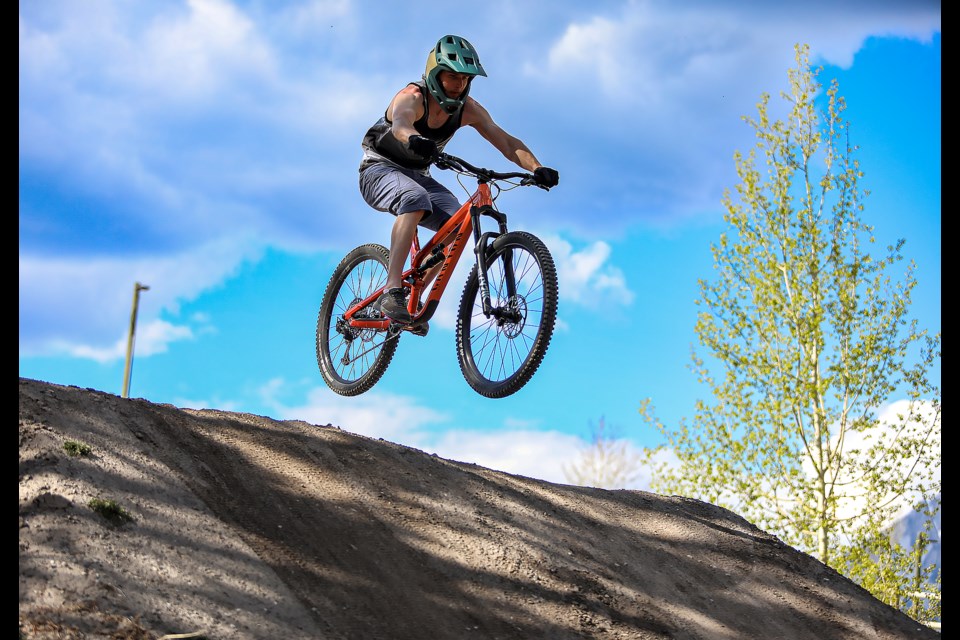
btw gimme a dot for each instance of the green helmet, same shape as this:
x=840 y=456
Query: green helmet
x=455 y=54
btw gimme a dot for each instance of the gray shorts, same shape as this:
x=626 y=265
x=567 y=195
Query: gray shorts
x=387 y=187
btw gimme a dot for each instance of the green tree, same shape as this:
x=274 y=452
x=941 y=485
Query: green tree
x=812 y=338
x=608 y=462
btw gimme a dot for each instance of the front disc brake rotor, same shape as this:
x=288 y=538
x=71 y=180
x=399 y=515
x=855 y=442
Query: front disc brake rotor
x=513 y=321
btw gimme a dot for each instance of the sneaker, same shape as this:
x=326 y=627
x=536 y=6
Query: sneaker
x=422 y=328
x=393 y=304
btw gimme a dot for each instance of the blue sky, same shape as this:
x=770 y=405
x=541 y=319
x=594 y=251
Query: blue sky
x=209 y=150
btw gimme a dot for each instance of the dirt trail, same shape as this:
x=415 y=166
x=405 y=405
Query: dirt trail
x=247 y=527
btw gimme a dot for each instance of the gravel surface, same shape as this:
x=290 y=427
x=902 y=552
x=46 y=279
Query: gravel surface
x=235 y=525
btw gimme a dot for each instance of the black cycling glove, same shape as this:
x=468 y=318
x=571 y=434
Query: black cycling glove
x=423 y=147
x=546 y=177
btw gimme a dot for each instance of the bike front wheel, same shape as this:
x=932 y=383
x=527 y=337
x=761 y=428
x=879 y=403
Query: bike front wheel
x=500 y=353
x=352 y=360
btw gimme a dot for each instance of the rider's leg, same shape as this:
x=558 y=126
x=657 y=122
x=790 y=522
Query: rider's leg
x=401 y=239
x=424 y=326
x=401 y=236
x=435 y=269
x=415 y=199
x=393 y=302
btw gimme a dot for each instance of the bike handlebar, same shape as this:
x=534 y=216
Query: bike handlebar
x=447 y=161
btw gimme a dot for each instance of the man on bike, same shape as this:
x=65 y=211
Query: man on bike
x=399 y=147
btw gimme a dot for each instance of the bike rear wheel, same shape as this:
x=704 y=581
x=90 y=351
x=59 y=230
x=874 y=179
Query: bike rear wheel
x=352 y=360
x=499 y=354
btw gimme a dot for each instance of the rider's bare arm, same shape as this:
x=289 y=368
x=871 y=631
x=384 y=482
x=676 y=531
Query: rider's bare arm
x=406 y=108
x=511 y=147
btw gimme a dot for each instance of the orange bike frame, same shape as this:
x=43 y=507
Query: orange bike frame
x=413 y=277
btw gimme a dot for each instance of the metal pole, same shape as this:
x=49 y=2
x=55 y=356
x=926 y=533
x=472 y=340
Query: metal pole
x=128 y=369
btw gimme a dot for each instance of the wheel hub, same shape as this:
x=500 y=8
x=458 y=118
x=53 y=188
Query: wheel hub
x=512 y=319
x=351 y=333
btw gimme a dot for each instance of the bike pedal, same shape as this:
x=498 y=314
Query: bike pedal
x=418 y=329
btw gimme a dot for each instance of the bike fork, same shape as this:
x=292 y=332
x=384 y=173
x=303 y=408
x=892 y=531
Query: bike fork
x=481 y=242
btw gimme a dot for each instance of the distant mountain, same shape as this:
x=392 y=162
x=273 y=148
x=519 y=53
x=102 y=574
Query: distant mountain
x=905 y=532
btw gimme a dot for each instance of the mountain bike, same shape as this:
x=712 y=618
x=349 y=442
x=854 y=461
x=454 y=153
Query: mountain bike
x=507 y=310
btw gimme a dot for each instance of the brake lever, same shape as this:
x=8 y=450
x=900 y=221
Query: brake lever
x=526 y=182
x=443 y=161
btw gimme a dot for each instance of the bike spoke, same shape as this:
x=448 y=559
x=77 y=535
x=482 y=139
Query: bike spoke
x=498 y=350
x=354 y=354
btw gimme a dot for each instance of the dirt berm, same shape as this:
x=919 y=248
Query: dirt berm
x=241 y=526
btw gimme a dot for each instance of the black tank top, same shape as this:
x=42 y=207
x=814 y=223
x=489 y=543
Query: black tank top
x=379 y=144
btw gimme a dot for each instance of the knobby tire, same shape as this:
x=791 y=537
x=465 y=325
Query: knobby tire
x=498 y=358
x=360 y=273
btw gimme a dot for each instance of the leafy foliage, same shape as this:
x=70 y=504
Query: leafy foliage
x=74 y=448
x=812 y=338
x=111 y=510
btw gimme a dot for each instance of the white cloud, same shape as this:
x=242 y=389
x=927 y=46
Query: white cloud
x=149 y=339
x=181 y=106
x=648 y=53
x=663 y=86
x=96 y=294
x=592 y=50
x=514 y=448
x=207 y=403
x=517 y=447
x=146 y=56
x=200 y=53
x=396 y=418
x=542 y=455
x=586 y=276
x=641 y=51
x=534 y=454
